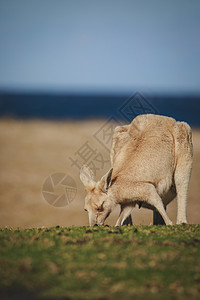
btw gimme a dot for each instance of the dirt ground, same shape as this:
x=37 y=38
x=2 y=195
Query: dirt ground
x=37 y=173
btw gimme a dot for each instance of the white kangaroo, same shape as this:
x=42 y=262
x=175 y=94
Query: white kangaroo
x=151 y=165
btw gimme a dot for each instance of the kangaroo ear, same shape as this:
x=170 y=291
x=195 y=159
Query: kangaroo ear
x=105 y=181
x=108 y=180
x=86 y=175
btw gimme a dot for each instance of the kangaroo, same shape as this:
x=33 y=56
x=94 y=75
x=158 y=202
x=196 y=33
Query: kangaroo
x=151 y=165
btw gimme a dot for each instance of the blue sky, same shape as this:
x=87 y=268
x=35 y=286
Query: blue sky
x=102 y=45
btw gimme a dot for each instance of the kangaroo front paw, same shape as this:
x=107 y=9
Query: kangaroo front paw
x=182 y=221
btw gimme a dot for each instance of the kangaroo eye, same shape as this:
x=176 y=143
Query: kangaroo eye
x=100 y=208
x=85 y=209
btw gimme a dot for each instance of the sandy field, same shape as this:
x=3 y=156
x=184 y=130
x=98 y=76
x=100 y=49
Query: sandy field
x=39 y=174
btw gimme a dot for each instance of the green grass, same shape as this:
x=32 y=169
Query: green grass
x=139 y=262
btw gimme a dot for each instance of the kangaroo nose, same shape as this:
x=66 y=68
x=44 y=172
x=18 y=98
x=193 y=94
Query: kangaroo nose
x=96 y=224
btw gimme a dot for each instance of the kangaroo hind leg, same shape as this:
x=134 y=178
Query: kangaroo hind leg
x=184 y=154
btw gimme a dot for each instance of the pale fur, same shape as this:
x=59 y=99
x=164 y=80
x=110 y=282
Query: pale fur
x=151 y=162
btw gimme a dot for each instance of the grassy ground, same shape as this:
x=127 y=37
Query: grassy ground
x=140 y=262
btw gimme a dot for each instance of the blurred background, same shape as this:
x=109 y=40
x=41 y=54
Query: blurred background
x=70 y=71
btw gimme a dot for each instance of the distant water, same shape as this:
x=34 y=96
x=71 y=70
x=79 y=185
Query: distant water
x=118 y=107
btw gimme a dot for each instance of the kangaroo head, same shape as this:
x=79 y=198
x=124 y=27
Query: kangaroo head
x=97 y=203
